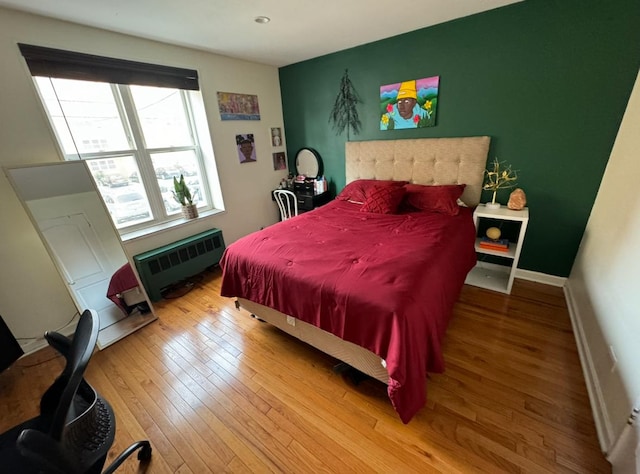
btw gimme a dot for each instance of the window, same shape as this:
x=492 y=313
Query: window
x=135 y=137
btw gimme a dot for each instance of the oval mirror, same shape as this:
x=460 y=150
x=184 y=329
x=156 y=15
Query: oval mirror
x=308 y=163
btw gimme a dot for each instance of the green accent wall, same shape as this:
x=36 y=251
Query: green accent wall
x=548 y=80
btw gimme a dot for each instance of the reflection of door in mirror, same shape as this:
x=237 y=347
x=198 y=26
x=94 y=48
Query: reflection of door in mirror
x=80 y=257
x=71 y=219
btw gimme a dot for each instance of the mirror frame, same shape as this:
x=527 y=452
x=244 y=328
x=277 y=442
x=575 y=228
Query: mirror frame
x=318 y=161
x=38 y=182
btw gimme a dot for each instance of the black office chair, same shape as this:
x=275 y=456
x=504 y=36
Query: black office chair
x=76 y=426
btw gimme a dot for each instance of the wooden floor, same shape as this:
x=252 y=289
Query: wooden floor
x=217 y=391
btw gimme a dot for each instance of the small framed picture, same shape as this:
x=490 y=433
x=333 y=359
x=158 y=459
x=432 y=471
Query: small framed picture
x=279 y=161
x=246 y=148
x=276 y=136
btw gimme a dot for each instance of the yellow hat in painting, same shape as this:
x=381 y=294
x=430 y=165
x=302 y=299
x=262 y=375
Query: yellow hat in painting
x=407 y=90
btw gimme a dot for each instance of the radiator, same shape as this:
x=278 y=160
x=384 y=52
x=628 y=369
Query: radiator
x=166 y=265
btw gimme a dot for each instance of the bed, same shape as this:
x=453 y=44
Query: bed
x=373 y=290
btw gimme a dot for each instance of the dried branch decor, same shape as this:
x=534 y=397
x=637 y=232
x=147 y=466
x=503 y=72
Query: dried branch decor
x=344 y=113
x=501 y=176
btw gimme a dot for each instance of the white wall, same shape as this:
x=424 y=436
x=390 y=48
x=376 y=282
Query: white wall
x=33 y=297
x=604 y=285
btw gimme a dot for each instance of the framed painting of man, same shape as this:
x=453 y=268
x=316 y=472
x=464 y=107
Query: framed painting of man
x=409 y=104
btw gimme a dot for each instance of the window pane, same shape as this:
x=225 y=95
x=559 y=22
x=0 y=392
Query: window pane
x=162 y=116
x=168 y=165
x=118 y=181
x=125 y=133
x=90 y=113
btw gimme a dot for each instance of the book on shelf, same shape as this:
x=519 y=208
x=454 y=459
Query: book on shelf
x=503 y=243
x=491 y=247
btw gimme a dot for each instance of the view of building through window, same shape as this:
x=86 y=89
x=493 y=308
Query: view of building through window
x=136 y=139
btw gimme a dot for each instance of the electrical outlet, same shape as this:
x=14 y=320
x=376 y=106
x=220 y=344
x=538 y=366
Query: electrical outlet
x=291 y=320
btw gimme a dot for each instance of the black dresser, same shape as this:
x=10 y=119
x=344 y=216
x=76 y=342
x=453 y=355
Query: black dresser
x=307 y=199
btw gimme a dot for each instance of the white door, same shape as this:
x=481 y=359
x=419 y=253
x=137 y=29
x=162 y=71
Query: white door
x=83 y=263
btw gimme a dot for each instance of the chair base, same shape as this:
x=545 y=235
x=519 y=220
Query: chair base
x=144 y=455
x=10 y=457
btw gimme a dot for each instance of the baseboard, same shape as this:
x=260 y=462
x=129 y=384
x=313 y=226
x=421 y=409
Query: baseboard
x=600 y=415
x=601 y=419
x=540 y=277
x=35 y=345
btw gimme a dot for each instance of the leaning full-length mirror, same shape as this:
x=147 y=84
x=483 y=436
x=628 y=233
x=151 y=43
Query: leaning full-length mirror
x=64 y=206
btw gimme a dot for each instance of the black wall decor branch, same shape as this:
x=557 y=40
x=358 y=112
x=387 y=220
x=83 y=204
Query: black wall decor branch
x=344 y=114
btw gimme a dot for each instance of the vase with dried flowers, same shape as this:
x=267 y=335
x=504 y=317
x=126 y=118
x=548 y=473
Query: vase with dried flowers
x=500 y=176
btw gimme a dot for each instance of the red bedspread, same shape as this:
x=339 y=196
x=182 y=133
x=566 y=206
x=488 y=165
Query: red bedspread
x=122 y=280
x=385 y=282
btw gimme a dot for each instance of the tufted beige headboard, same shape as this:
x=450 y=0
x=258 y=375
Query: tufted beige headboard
x=428 y=161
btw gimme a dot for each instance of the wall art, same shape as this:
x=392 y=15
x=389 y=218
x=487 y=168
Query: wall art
x=344 y=115
x=409 y=104
x=279 y=161
x=246 y=148
x=276 y=136
x=238 y=106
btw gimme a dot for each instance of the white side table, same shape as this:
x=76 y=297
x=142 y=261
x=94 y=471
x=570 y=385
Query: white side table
x=494 y=276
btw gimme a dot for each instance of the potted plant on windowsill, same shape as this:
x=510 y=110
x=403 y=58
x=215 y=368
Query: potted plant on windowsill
x=182 y=195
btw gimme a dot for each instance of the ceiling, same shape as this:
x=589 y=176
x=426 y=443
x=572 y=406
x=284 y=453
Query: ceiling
x=298 y=30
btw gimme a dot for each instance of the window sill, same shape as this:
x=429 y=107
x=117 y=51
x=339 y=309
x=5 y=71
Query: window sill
x=166 y=226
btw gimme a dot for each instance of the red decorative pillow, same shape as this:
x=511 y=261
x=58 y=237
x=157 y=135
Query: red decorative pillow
x=356 y=191
x=443 y=199
x=383 y=199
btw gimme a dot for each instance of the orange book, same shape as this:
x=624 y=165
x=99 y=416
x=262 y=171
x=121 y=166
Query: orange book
x=504 y=243
x=482 y=245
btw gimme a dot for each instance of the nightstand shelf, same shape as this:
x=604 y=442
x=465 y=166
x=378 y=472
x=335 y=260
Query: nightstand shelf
x=511 y=253
x=498 y=275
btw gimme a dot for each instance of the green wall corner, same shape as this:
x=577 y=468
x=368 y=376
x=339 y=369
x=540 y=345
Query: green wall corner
x=548 y=80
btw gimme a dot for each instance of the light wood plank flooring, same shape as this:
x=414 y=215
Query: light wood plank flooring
x=217 y=391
